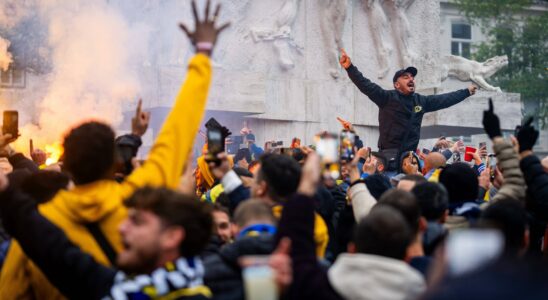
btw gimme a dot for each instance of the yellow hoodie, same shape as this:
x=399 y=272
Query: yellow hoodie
x=103 y=200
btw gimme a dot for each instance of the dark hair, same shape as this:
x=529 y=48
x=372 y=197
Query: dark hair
x=377 y=185
x=432 y=198
x=380 y=157
x=243 y=153
x=406 y=204
x=383 y=232
x=89 y=152
x=461 y=182
x=176 y=209
x=43 y=185
x=220 y=208
x=415 y=178
x=510 y=217
x=281 y=174
x=253 y=209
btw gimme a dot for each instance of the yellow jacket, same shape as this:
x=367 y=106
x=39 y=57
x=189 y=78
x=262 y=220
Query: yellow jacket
x=103 y=200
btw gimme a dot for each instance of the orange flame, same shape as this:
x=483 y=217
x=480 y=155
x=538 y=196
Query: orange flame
x=53 y=152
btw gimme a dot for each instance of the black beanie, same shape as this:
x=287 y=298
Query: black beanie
x=461 y=182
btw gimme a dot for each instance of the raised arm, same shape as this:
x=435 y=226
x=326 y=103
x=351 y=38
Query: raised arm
x=507 y=159
x=170 y=152
x=437 y=102
x=310 y=280
x=376 y=93
x=535 y=176
x=76 y=274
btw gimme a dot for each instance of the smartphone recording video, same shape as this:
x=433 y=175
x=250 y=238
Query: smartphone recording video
x=11 y=123
x=215 y=144
x=347 y=140
x=328 y=149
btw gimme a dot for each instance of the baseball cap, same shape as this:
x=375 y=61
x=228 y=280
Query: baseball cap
x=399 y=73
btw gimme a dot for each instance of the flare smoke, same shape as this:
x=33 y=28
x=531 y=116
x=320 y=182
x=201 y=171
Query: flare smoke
x=95 y=53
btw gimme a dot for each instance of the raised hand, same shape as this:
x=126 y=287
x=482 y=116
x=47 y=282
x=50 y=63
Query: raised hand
x=527 y=136
x=310 y=175
x=39 y=157
x=472 y=89
x=220 y=167
x=458 y=146
x=139 y=123
x=205 y=34
x=345 y=124
x=345 y=60
x=491 y=122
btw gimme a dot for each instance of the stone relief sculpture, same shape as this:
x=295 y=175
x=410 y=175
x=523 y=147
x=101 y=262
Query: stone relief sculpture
x=333 y=13
x=282 y=35
x=378 y=24
x=469 y=70
x=396 y=11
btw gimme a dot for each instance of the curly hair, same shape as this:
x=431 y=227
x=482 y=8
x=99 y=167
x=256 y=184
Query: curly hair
x=89 y=152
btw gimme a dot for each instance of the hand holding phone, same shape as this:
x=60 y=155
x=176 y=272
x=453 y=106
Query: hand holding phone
x=215 y=144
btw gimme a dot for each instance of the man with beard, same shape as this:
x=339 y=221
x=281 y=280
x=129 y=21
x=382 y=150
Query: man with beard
x=400 y=110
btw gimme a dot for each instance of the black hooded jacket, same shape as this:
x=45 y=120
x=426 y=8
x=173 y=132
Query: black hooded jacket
x=400 y=116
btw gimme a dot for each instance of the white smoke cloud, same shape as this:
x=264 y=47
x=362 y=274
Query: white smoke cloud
x=95 y=53
x=5 y=57
x=12 y=11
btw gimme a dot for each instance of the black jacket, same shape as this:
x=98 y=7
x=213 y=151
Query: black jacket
x=310 y=279
x=400 y=116
x=537 y=186
x=223 y=274
x=75 y=273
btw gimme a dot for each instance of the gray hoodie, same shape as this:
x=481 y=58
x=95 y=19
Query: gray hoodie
x=364 y=276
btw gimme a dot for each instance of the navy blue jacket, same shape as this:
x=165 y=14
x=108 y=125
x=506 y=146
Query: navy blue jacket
x=400 y=116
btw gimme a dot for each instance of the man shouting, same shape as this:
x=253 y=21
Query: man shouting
x=400 y=110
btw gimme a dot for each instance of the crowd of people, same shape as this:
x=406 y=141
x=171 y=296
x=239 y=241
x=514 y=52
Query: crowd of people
x=271 y=223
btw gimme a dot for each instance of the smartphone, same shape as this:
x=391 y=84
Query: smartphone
x=215 y=144
x=470 y=249
x=11 y=123
x=347 y=141
x=328 y=149
x=425 y=151
x=369 y=152
x=492 y=165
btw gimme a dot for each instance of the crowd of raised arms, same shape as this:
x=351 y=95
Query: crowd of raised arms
x=273 y=222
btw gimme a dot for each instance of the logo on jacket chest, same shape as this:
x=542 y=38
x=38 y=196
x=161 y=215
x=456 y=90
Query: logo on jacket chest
x=418 y=109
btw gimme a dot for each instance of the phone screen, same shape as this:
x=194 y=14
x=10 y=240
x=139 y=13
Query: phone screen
x=327 y=148
x=347 y=140
x=11 y=123
x=215 y=143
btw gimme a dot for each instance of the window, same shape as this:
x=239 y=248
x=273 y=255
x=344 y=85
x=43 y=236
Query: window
x=12 y=78
x=461 y=38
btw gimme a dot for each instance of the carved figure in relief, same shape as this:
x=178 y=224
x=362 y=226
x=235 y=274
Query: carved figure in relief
x=333 y=14
x=378 y=24
x=469 y=70
x=396 y=10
